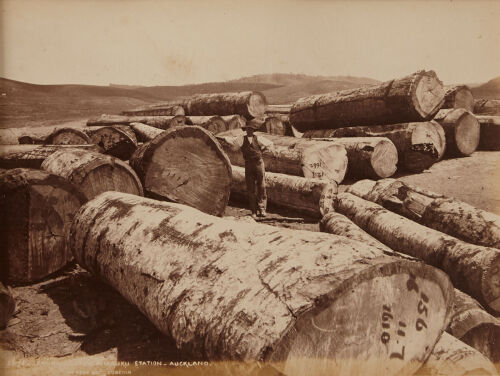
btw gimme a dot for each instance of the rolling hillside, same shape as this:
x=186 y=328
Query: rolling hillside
x=488 y=90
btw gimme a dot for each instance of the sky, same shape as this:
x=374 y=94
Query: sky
x=170 y=42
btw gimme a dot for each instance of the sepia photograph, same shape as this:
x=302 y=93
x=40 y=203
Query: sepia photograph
x=250 y=187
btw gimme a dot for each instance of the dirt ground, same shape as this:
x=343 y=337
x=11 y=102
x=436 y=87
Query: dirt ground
x=71 y=323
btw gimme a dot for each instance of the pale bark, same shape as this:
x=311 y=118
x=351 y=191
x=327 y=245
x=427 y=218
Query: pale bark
x=312 y=197
x=162 y=122
x=145 y=132
x=7 y=305
x=473 y=269
x=117 y=141
x=36 y=210
x=458 y=96
x=416 y=97
x=461 y=129
x=231 y=290
x=93 y=173
x=185 y=165
x=159 y=109
x=487 y=106
x=490 y=132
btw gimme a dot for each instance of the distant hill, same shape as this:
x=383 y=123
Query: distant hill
x=488 y=90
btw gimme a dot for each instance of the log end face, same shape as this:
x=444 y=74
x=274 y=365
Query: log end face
x=428 y=95
x=384 y=159
x=67 y=136
x=257 y=105
x=467 y=134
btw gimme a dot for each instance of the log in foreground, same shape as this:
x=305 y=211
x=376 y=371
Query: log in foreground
x=293 y=156
x=445 y=214
x=416 y=97
x=36 y=210
x=162 y=122
x=117 y=141
x=7 y=305
x=419 y=145
x=458 y=96
x=230 y=290
x=487 y=106
x=461 y=129
x=473 y=269
x=490 y=132
x=93 y=173
x=159 y=109
x=312 y=197
x=454 y=358
x=185 y=165
x=32 y=156
x=214 y=124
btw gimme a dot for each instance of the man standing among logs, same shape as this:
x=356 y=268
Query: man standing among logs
x=252 y=148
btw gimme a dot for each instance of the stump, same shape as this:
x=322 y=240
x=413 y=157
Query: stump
x=461 y=129
x=458 y=96
x=67 y=136
x=416 y=97
x=487 y=106
x=214 y=124
x=93 y=173
x=159 y=109
x=185 y=165
x=227 y=290
x=36 y=210
x=490 y=132
x=118 y=141
x=419 y=145
x=312 y=197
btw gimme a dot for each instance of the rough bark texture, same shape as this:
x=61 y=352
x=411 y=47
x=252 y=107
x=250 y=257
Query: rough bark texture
x=473 y=269
x=293 y=156
x=118 y=141
x=458 y=96
x=487 y=106
x=185 y=165
x=162 y=122
x=231 y=290
x=454 y=358
x=448 y=215
x=67 y=136
x=36 y=210
x=461 y=129
x=416 y=97
x=93 y=173
x=490 y=132
x=368 y=157
x=214 y=124
x=419 y=145
x=32 y=156
x=159 y=109
x=145 y=132
x=312 y=197
x=7 y=305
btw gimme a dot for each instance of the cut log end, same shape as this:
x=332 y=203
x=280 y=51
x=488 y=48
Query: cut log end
x=257 y=105
x=384 y=159
x=464 y=99
x=117 y=141
x=428 y=145
x=401 y=331
x=467 y=133
x=67 y=136
x=429 y=94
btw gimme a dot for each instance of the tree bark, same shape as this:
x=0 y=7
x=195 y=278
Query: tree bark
x=419 y=145
x=490 y=132
x=36 y=210
x=7 y=305
x=214 y=124
x=458 y=96
x=117 y=141
x=487 y=106
x=307 y=158
x=185 y=165
x=453 y=357
x=67 y=136
x=448 y=215
x=461 y=129
x=473 y=269
x=93 y=173
x=312 y=197
x=416 y=97
x=145 y=132
x=162 y=122
x=278 y=108
x=159 y=109
x=32 y=156
x=227 y=290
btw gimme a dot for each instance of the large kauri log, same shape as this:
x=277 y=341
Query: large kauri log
x=473 y=269
x=293 y=156
x=93 y=173
x=419 y=145
x=461 y=129
x=118 y=141
x=490 y=132
x=36 y=210
x=185 y=165
x=67 y=136
x=159 y=109
x=458 y=96
x=416 y=97
x=162 y=122
x=214 y=124
x=7 y=305
x=445 y=214
x=452 y=357
x=487 y=106
x=32 y=156
x=312 y=197
x=309 y=303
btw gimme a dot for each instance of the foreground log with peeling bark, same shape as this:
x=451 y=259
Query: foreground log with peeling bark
x=416 y=97
x=419 y=145
x=230 y=290
x=7 y=305
x=461 y=129
x=487 y=106
x=445 y=214
x=214 y=124
x=185 y=165
x=458 y=96
x=293 y=156
x=32 y=156
x=36 y=210
x=118 y=141
x=93 y=173
x=162 y=122
x=490 y=132
x=159 y=109
x=312 y=197
x=473 y=269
